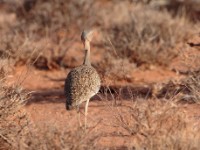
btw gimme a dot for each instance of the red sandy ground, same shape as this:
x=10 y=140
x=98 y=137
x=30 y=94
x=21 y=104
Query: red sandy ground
x=47 y=106
x=51 y=110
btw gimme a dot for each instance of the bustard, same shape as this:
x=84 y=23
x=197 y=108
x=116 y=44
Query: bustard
x=82 y=82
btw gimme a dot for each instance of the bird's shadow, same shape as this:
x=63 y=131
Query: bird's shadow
x=105 y=93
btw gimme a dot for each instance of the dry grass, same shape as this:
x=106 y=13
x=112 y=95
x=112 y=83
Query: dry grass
x=51 y=137
x=13 y=118
x=149 y=36
x=43 y=35
x=184 y=90
x=192 y=86
x=158 y=124
x=46 y=31
x=115 y=68
x=188 y=8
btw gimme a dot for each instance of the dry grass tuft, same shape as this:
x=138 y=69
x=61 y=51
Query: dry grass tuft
x=13 y=118
x=187 y=89
x=187 y=8
x=150 y=36
x=192 y=84
x=51 y=137
x=158 y=124
x=118 y=69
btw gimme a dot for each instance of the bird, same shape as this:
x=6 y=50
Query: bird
x=82 y=82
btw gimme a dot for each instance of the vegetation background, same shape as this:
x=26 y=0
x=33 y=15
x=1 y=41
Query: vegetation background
x=146 y=51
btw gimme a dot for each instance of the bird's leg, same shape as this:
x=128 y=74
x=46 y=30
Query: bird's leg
x=86 y=110
x=78 y=116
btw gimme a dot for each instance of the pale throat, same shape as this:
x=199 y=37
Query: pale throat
x=87 y=53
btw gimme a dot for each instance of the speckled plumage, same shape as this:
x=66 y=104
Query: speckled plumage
x=81 y=84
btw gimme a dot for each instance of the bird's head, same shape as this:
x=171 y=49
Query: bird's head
x=86 y=37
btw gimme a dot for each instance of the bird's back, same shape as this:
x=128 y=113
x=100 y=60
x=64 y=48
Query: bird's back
x=81 y=84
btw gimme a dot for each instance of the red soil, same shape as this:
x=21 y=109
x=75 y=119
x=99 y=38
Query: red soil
x=47 y=106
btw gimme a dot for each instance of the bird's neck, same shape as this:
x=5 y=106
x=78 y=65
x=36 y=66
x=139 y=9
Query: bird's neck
x=87 y=54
